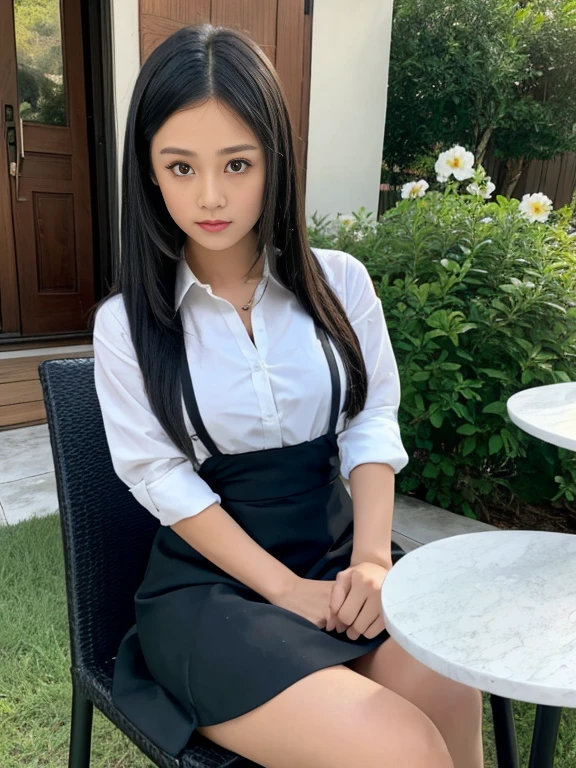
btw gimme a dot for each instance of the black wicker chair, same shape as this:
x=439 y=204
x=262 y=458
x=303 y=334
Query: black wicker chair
x=107 y=537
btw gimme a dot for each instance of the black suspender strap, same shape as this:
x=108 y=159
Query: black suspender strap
x=334 y=377
x=192 y=405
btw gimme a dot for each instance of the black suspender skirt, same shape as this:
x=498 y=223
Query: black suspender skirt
x=205 y=648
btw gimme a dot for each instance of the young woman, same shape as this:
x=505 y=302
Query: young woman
x=240 y=373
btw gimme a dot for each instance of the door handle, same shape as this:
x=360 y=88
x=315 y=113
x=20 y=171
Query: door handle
x=15 y=148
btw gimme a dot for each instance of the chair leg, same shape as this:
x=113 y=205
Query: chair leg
x=81 y=731
x=504 y=732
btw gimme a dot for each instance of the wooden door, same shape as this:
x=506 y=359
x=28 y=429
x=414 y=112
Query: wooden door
x=282 y=28
x=46 y=260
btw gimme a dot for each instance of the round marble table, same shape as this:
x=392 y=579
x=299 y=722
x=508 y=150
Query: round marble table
x=547 y=412
x=495 y=611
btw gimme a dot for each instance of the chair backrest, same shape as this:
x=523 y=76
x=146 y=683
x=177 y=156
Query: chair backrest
x=107 y=534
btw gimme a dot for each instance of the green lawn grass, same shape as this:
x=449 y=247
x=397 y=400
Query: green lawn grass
x=35 y=688
x=34 y=666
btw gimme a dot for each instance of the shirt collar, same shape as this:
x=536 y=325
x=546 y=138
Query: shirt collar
x=185 y=279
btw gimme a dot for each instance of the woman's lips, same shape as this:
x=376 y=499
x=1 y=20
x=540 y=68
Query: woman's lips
x=214 y=227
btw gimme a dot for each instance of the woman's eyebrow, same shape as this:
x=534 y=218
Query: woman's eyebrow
x=190 y=153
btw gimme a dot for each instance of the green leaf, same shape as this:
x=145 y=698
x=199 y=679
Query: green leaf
x=431 y=471
x=555 y=306
x=510 y=442
x=494 y=374
x=429 y=335
x=496 y=407
x=495 y=444
x=468 y=512
x=447 y=467
x=527 y=377
x=469 y=445
x=467 y=429
x=497 y=304
x=437 y=419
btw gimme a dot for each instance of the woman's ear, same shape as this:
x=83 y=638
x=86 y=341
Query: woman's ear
x=153 y=177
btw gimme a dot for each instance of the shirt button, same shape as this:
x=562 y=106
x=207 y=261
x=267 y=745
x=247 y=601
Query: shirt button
x=256 y=367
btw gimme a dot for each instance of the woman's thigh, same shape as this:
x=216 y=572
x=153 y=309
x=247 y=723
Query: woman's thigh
x=334 y=718
x=392 y=667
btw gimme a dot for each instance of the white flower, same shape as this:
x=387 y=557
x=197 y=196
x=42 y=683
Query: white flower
x=346 y=219
x=414 y=189
x=444 y=262
x=474 y=189
x=482 y=190
x=441 y=178
x=490 y=187
x=536 y=207
x=455 y=161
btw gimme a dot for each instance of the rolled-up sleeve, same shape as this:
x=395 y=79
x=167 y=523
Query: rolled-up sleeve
x=144 y=457
x=374 y=434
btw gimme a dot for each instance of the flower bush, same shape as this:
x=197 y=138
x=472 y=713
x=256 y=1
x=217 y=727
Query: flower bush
x=480 y=301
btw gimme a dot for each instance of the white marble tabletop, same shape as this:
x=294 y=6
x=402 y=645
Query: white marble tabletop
x=547 y=412
x=494 y=610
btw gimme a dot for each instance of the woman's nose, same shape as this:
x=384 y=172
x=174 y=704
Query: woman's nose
x=211 y=194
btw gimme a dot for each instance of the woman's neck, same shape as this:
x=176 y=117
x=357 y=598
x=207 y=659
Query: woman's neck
x=221 y=269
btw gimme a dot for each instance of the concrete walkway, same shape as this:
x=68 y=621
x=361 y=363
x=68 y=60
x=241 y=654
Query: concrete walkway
x=27 y=482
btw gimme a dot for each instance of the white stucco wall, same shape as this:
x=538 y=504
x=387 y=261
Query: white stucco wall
x=348 y=92
x=126 y=47
x=350 y=53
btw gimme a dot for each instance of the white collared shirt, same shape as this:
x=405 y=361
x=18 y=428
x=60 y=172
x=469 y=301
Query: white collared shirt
x=272 y=393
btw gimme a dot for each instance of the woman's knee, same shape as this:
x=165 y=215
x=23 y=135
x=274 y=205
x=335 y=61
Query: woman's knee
x=413 y=737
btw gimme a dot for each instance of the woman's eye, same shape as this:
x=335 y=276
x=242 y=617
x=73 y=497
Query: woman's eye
x=181 y=169
x=237 y=163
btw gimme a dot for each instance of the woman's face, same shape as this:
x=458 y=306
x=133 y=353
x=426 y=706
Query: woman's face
x=200 y=179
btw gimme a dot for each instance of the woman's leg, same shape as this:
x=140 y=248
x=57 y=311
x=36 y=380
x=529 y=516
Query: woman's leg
x=455 y=709
x=334 y=718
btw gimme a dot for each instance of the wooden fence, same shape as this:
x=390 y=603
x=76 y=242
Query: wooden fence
x=555 y=178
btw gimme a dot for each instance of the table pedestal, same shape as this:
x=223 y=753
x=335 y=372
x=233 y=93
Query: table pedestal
x=545 y=735
x=543 y=739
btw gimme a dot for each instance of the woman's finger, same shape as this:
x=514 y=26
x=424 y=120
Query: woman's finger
x=340 y=591
x=352 y=606
x=367 y=616
x=335 y=623
x=375 y=628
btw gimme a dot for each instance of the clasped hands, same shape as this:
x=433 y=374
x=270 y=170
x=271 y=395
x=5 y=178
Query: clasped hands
x=355 y=603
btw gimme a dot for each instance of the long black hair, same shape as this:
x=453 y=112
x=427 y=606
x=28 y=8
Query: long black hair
x=191 y=66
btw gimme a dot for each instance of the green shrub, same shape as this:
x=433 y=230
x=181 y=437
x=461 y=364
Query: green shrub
x=480 y=303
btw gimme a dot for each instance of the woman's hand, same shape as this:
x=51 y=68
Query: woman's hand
x=356 y=603
x=309 y=598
